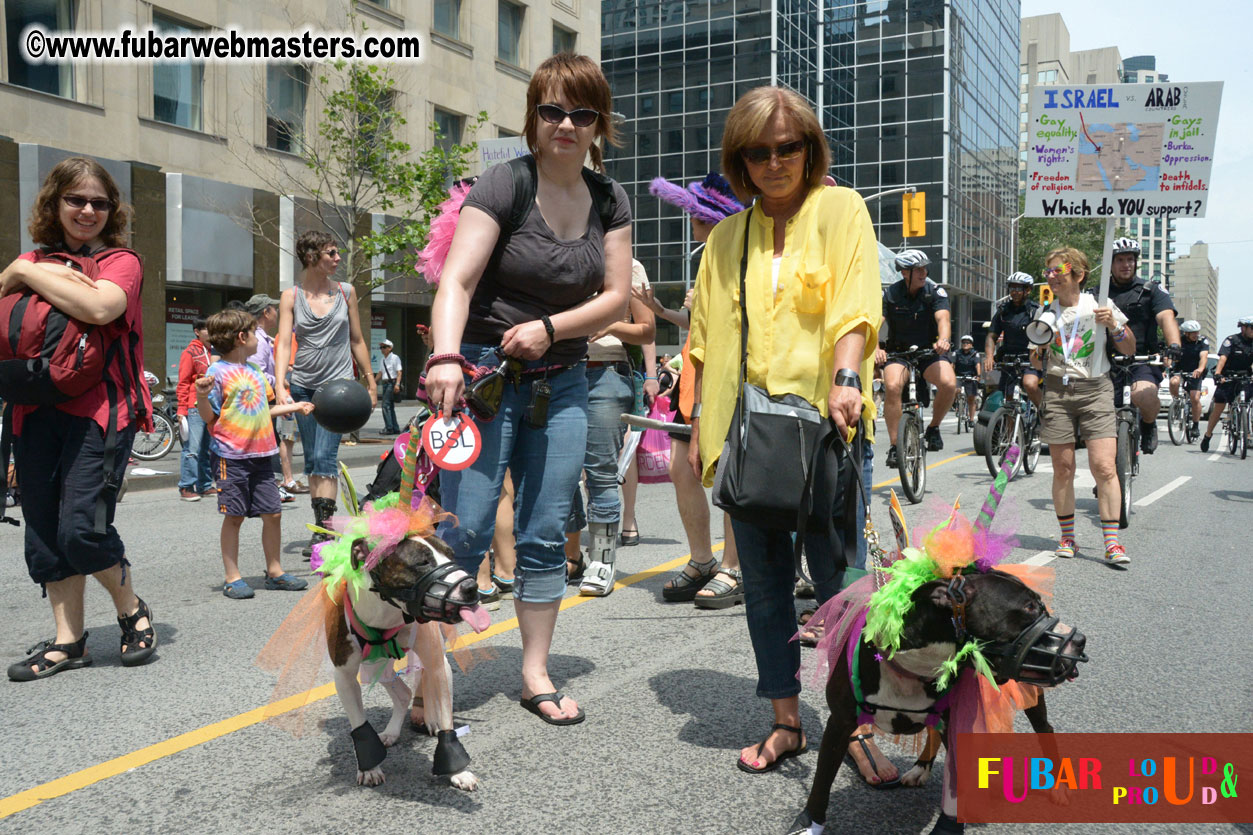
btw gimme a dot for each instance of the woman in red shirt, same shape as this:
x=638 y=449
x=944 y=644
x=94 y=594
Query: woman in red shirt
x=79 y=210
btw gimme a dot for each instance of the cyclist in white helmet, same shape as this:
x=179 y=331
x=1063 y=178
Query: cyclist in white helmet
x=966 y=361
x=1147 y=307
x=916 y=311
x=1010 y=321
x=1191 y=366
x=1235 y=354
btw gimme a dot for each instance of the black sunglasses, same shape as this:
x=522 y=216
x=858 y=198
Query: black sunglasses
x=760 y=155
x=75 y=201
x=554 y=115
x=331 y=252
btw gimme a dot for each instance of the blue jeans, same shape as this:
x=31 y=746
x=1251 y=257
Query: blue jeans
x=195 y=466
x=769 y=581
x=387 y=389
x=867 y=476
x=545 y=464
x=320 y=446
x=609 y=394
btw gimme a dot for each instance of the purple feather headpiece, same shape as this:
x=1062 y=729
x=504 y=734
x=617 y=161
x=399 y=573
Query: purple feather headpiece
x=709 y=201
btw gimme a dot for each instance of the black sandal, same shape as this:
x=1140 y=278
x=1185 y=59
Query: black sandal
x=724 y=595
x=682 y=587
x=814 y=634
x=800 y=748
x=860 y=739
x=133 y=653
x=75 y=656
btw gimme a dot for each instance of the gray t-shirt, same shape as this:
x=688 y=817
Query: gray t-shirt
x=323 y=343
x=536 y=273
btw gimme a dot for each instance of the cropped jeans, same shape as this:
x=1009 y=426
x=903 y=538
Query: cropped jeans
x=320 y=445
x=545 y=464
x=609 y=394
x=195 y=465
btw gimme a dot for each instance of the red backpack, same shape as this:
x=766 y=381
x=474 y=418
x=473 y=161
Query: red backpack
x=46 y=356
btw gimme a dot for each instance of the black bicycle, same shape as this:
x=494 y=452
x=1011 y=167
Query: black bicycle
x=1017 y=422
x=1238 y=421
x=911 y=450
x=1127 y=455
x=961 y=403
x=1179 y=413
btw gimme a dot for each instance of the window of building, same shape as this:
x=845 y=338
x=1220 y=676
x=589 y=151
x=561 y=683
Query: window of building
x=448 y=18
x=448 y=128
x=509 y=32
x=52 y=16
x=1046 y=76
x=286 y=90
x=563 y=39
x=177 y=88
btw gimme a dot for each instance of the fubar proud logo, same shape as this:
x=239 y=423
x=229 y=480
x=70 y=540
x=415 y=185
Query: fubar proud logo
x=1103 y=778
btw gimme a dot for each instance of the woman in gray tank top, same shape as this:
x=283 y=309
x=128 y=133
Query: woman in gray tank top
x=322 y=314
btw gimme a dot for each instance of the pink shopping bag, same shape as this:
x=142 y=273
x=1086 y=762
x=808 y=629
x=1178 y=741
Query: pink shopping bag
x=653 y=454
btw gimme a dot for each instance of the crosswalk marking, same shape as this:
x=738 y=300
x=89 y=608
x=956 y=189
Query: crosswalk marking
x=1157 y=494
x=1040 y=558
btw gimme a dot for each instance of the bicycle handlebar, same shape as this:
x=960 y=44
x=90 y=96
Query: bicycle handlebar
x=1154 y=360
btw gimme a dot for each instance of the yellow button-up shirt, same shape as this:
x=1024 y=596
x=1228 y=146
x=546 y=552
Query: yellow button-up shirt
x=828 y=285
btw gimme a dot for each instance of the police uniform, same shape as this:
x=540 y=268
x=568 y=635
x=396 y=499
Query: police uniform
x=1239 y=354
x=1189 y=359
x=966 y=364
x=1141 y=301
x=1010 y=321
x=911 y=319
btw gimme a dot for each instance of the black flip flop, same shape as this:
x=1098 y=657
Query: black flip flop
x=532 y=704
x=801 y=748
x=860 y=739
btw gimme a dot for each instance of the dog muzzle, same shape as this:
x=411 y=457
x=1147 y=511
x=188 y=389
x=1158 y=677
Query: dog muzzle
x=1040 y=655
x=445 y=594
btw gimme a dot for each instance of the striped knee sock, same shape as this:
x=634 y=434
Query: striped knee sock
x=1109 y=529
x=1068 y=526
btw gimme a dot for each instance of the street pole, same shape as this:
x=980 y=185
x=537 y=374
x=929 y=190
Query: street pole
x=1013 y=243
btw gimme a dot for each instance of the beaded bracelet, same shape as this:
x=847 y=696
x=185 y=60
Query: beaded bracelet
x=436 y=359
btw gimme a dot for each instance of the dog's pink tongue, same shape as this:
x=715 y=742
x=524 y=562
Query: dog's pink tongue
x=478 y=617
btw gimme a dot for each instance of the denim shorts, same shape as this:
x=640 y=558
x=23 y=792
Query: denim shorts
x=321 y=446
x=545 y=465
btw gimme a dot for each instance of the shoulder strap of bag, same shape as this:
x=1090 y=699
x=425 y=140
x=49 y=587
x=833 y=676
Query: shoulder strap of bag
x=748 y=217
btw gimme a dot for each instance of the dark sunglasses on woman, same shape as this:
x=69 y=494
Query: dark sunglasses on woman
x=760 y=155
x=75 y=201
x=554 y=115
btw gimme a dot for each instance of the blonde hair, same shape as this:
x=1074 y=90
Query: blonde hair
x=1077 y=260
x=749 y=117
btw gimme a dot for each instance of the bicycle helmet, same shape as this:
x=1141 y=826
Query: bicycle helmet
x=911 y=258
x=1190 y=326
x=1020 y=280
x=1244 y=320
x=1124 y=245
x=967 y=338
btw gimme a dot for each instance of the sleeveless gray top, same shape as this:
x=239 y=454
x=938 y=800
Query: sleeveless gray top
x=323 y=346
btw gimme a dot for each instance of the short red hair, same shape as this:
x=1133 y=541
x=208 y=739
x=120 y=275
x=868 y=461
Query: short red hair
x=584 y=85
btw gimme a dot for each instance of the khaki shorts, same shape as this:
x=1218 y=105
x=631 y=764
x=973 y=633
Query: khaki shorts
x=1084 y=408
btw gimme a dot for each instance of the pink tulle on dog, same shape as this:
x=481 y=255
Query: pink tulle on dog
x=432 y=257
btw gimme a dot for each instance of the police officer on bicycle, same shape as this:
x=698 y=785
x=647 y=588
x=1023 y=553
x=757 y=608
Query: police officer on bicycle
x=916 y=311
x=1010 y=321
x=1235 y=354
x=1147 y=307
x=1191 y=366
x=966 y=364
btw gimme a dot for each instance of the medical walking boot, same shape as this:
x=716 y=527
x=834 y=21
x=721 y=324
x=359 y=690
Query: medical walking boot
x=601 y=554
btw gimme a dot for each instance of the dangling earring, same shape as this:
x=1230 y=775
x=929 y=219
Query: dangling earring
x=744 y=183
x=808 y=166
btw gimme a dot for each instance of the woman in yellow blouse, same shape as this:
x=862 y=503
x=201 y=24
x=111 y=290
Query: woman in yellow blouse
x=813 y=311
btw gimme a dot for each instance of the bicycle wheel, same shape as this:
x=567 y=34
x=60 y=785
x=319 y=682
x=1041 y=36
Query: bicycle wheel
x=999 y=437
x=911 y=455
x=1229 y=429
x=149 y=446
x=1030 y=447
x=1246 y=430
x=1176 y=422
x=1122 y=463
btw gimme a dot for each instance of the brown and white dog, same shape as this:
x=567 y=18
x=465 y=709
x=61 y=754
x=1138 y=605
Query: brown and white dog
x=411 y=588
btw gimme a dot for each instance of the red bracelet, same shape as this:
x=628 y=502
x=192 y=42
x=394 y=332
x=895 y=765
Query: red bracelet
x=436 y=359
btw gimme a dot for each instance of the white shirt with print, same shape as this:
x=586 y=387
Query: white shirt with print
x=1083 y=361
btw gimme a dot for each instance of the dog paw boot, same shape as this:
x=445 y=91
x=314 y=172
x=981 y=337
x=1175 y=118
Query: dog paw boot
x=601 y=554
x=450 y=755
x=323 y=509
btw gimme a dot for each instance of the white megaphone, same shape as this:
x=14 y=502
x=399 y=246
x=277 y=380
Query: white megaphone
x=1040 y=329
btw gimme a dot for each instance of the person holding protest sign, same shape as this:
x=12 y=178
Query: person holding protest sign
x=533 y=288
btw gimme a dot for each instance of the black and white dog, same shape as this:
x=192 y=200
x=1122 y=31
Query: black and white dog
x=1023 y=643
x=412 y=589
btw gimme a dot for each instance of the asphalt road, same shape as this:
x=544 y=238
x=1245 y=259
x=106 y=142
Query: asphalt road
x=668 y=689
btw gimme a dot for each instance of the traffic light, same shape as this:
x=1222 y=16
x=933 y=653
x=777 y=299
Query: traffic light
x=1046 y=294
x=914 y=215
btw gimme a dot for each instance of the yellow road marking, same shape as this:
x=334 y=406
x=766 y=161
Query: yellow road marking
x=62 y=786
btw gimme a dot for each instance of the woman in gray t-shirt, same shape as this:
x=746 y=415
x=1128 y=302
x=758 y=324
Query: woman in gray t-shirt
x=322 y=314
x=560 y=275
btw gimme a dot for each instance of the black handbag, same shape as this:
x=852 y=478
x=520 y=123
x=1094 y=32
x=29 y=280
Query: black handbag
x=777 y=446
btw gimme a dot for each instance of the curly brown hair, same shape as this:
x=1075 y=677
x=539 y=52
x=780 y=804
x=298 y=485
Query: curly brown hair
x=225 y=327
x=309 y=246
x=582 y=82
x=45 y=216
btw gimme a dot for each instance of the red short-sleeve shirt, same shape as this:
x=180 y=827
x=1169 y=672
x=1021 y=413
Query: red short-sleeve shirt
x=126 y=272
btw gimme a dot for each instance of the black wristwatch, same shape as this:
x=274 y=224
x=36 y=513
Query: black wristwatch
x=848 y=377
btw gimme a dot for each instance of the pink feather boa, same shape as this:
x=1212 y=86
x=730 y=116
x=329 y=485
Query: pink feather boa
x=443 y=227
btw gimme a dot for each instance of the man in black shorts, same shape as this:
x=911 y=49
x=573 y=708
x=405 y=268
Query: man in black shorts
x=916 y=312
x=1010 y=322
x=1147 y=307
x=1235 y=355
x=1191 y=366
x=966 y=364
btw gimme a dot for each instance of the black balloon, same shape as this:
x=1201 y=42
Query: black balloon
x=342 y=406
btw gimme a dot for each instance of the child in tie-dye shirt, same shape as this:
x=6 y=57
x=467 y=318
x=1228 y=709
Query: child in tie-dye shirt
x=234 y=399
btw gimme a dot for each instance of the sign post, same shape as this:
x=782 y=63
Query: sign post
x=1120 y=150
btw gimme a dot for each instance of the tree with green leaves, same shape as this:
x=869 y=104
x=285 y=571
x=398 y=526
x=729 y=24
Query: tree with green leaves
x=1037 y=236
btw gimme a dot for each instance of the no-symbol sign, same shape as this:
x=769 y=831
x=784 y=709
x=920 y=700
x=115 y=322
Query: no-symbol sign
x=452 y=443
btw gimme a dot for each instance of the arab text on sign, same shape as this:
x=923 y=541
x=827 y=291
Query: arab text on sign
x=1121 y=150
x=452 y=443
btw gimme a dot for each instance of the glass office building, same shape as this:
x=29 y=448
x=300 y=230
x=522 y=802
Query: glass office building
x=909 y=92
